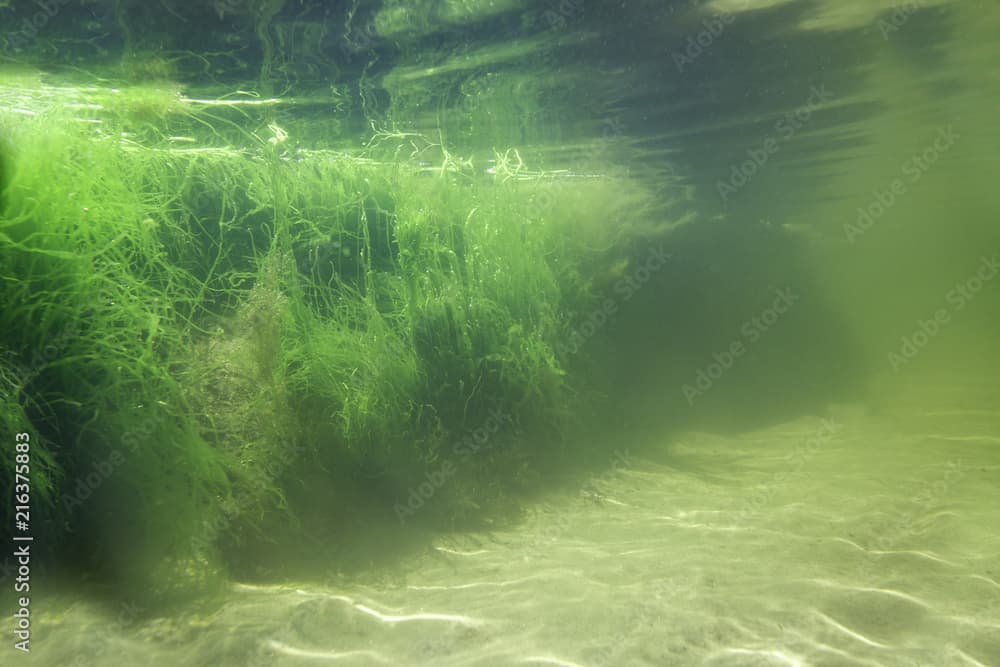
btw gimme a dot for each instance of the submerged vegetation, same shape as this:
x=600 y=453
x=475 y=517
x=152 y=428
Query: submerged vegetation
x=315 y=268
x=335 y=278
x=221 y=324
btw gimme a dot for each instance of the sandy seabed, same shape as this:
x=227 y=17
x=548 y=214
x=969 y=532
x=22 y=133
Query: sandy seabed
x=848 y=540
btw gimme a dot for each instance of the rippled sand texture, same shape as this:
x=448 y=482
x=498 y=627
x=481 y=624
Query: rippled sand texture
x=851 y=541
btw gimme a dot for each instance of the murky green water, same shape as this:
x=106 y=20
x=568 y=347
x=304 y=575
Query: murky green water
x=443 y=332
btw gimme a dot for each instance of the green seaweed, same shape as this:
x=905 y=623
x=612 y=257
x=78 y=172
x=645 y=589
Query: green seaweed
x=232 y=320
